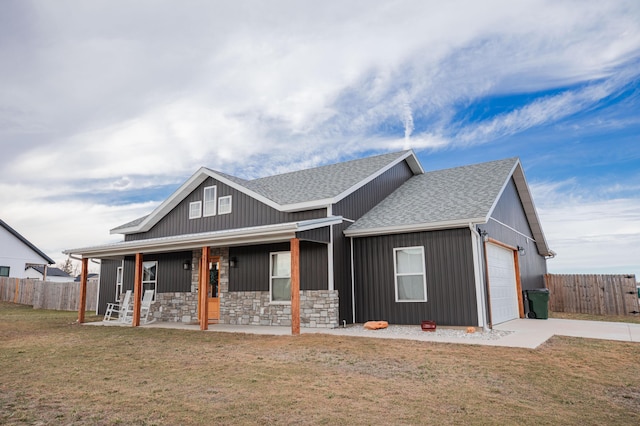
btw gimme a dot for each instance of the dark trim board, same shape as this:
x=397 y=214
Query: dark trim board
x=451 y=289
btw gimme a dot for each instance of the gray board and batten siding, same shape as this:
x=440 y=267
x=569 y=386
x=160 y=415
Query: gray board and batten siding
x=171 y=275
x=451 y=290
x=246 y=211
x=353 y=207
x=509 y=211
x=252 y=271
x=107 y=287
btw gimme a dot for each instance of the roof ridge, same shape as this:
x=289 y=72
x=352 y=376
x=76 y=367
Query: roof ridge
x=474 y=164
x=338 y=163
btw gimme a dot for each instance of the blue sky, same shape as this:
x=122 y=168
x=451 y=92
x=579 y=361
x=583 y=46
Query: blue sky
x=105 y=111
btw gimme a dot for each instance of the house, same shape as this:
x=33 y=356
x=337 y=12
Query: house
x=370 y=239
x=55 y=275
x=17 y=253
x=90 y=276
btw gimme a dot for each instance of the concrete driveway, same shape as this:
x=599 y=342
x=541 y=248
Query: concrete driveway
x=531 y=333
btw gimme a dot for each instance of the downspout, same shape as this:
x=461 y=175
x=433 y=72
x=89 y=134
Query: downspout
x=330 y=263
x=478 y=269
x=353 y=286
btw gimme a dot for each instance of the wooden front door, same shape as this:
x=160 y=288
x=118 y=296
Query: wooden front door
x=213 y=298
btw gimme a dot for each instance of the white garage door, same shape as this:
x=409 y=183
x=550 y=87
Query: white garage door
x=502 y=284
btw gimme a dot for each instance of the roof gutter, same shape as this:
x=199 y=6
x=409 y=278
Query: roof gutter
x=462 y=223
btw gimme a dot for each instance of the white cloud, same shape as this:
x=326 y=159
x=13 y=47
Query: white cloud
x=54 y=226
x=590 y=235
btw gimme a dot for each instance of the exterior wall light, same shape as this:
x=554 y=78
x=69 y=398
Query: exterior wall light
x=233 y=262
x=186 y=265
x=521 y=251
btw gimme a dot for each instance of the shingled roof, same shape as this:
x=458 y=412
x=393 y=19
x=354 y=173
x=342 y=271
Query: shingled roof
x=459 y=194
x=51 y=271
x=299 y=190
x=448 y=198
x=322 y=182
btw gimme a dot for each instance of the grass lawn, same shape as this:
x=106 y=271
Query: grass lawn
x=53 y=371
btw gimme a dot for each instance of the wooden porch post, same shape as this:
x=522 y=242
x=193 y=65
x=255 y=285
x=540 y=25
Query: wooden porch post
x=137 y=291
x=82 y=303
x=203 y=287
x=295 y=286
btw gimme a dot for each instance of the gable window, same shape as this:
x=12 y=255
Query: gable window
x=195 y=209
x=209 y=201
x=149 y=277
x=4 y=271
x=224 y=205
x=410 y=279
x=280 y=280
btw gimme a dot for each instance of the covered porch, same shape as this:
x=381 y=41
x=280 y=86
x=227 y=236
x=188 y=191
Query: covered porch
x=208 y=252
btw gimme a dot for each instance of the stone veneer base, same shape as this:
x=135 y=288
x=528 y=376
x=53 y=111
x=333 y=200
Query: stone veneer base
x=318 y=308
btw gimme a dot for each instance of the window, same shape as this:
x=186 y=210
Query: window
x=280 y=282
x=224 y=205
x=410 y=280
x=4 y=271
x=195 y=209
x=149 y=277
x=118 y=283
x=209 y=202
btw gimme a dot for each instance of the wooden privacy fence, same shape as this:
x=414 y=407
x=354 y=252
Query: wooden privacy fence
x=47 y=295
x=593 y=294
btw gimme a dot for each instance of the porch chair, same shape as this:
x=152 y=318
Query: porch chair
x=145 y=307
x=119 y=308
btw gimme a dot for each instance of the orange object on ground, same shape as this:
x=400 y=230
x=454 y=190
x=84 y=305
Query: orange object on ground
x=375 y=325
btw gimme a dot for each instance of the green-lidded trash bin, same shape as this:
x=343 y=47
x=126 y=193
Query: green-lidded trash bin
x=538 y=303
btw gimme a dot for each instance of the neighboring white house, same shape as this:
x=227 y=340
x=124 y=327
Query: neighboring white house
x=54 y=275
x=17 y=253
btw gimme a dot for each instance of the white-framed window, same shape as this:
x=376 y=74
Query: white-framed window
x=209 y=201
x=410 y=276
x=4 y=271
x=195 y=209
x=224 y=204
x=150 y=277
x=119 y=276
x=280 y=277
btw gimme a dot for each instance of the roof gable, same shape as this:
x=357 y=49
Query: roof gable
x=450 y=198
x=26 y=242
x=295 y=191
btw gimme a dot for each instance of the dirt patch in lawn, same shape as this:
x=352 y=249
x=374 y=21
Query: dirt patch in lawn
x=55 y=372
